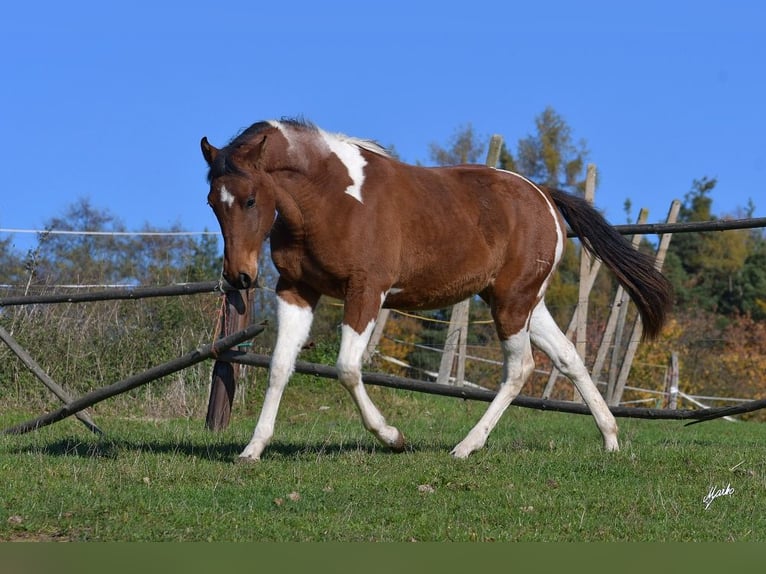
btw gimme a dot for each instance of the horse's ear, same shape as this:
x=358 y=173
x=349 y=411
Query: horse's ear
x=208 y=151
x=254 y=153
x=258 y=153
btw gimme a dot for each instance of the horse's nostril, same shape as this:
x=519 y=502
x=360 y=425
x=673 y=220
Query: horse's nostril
x=244 y=281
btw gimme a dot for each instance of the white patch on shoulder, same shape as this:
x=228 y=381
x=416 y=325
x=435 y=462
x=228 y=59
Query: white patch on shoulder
x=226 y=196
x=351 y=156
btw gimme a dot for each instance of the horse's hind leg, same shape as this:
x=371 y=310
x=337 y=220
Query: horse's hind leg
x=518 y=364
x=358 y=322
x=547 y=336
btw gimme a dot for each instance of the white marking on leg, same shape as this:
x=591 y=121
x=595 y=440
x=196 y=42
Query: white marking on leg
x=517 y=366
x=547 y=336
x=351 y=157
x=349 y=363
x=293 y=327
x=226 y=196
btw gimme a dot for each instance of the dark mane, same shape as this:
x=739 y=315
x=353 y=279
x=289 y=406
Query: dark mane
x=298 y=123
x=223 y=164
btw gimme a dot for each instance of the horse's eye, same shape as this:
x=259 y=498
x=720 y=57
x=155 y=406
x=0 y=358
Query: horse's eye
x=250 y=202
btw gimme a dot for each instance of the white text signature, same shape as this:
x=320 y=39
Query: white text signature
x=715 y=493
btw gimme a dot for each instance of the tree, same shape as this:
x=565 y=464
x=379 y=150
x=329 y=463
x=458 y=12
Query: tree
x=204 y=263
x=464 y=147
x=12 y=268
x=83 y=258
x=162 y=259
x=550 y=155
x=747 y=292
x=109 y=256
x=706 y=268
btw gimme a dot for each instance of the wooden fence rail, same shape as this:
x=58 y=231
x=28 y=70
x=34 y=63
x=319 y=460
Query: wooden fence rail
x=690 y=226
x=238 y=313
x=486 y=395
x=113 y=293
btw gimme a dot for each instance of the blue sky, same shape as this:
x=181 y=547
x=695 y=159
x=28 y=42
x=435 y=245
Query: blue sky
x=108 y=100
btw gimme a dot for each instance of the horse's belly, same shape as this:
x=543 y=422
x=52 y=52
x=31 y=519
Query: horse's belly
x=435 y=293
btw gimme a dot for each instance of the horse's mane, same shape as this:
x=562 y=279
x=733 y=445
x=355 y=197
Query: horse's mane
x=224 y=166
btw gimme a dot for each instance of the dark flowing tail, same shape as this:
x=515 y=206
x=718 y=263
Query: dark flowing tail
x=649 y=289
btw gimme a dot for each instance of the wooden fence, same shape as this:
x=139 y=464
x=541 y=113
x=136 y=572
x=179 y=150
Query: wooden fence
x=235 y=327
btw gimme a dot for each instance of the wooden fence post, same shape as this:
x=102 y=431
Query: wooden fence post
x=671 y=382
x=235 y=316
x=457 y=332
x=455 y=342
x=583 y=292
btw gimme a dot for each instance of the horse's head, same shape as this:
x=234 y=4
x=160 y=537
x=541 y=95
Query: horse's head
x=242 y=197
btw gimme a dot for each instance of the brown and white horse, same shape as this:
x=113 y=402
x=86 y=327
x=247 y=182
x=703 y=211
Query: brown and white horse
x=348 y=221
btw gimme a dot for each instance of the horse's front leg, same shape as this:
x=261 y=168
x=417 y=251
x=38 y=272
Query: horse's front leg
x=295 y=313
x=358 y=321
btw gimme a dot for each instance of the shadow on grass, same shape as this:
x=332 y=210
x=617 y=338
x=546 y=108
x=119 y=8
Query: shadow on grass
x=219 y=451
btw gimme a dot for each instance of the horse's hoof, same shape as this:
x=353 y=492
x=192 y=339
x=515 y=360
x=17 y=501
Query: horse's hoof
x=247 y=460
x=399 y=444
x=459 y=454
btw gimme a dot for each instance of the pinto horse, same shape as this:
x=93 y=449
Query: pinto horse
x=349 y=221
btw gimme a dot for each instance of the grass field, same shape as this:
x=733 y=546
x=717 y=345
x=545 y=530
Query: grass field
x=542 y=477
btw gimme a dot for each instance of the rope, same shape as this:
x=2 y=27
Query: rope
x=220 y=321
x=435 y=320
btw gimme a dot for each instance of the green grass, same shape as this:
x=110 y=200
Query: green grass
x=542 y=477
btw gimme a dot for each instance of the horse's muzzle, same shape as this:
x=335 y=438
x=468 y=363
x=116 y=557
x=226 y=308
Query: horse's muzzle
x=241 y=281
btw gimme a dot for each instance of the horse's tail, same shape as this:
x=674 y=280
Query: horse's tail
x=649 y=289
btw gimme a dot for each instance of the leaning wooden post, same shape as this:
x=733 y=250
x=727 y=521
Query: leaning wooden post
x=377 y=335
x=54 y=387
x=635 y=337
x=455 y=342
x=594 y=269
x=235 y=316
x=584 y=288
x=457 y=332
